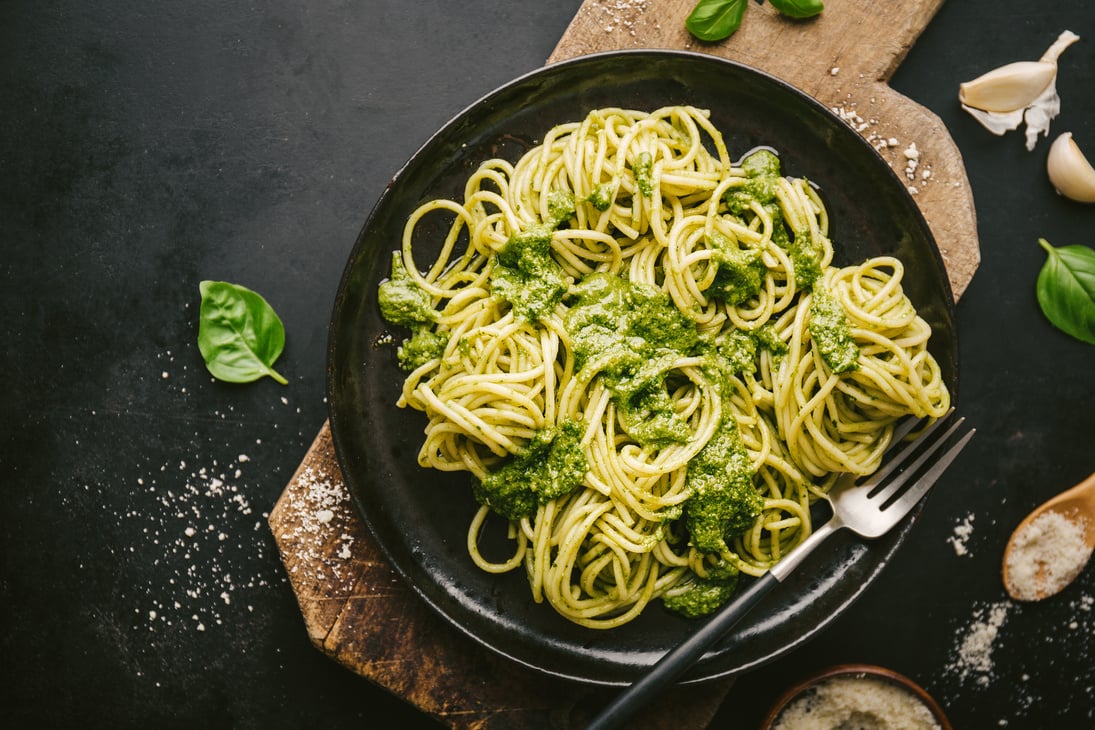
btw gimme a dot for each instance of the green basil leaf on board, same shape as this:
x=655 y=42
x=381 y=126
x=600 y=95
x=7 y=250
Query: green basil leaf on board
x=239 y=333
x=1066 y=289
x=798 y=8
x=714 y=20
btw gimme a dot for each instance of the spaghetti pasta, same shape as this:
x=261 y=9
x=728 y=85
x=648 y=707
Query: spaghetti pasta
x=643 y=355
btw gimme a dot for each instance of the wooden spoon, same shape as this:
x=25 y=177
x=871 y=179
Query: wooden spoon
x=1034 y=570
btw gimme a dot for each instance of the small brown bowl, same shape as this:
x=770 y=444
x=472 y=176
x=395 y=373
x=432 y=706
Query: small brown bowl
x=856 y=671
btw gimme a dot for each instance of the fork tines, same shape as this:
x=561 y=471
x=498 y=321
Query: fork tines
x=893 y=491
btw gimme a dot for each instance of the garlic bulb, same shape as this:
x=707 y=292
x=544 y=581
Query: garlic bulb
x=1023 y=91
x=1069 y=171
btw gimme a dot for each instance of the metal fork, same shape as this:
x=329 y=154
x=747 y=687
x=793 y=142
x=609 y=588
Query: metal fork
x=869 y=508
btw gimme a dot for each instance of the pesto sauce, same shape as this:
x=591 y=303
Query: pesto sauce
x=767 y=339
x=526 y=275
x=737 y=351
x=702 y=597
x=704 y=594
x=830 y=332
x=632 y=334
x=644 y=405
x=401 y=300
x=781 y=236
x=724 y=502
x=762 y=170
x=805 y=256
x=740 y=271
x=560 y=207
x=551 y=465
x=601 y=197
x=423 y=345
x=404 y=303
x=761 y=163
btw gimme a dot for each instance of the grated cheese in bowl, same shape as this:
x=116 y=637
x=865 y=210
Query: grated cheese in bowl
x=856 y=697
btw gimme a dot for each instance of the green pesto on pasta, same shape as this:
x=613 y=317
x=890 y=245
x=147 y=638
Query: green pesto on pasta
x=643 y=356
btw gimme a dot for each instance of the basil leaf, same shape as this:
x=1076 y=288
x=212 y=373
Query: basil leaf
x=1066 y=289
x=798 y=8
x=239 y=334
x=714 y=20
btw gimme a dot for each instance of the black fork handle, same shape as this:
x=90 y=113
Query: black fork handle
x=670 y=667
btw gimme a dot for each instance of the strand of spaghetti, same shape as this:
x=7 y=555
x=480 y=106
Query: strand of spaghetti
x=462 y=219
x=537 y=531
x=471 y=424
x=488 y=566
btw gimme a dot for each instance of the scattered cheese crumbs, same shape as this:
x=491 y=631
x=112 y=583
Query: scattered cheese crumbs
x=852 y=117
x=621 y=15
x=909 y=160
x=197 y=533
x=1047 y=555
x=344 y=551
x=321 y=506
x=912 y=161
x=856 y=702
x=962 y=532
x=973 y=660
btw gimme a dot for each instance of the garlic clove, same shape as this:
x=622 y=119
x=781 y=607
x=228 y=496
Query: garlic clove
x=1010 y=87
x=1064 y=40
x=1017 y=93
x=1069 y=171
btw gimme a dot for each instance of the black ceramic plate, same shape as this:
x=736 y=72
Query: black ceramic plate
x=420 y=517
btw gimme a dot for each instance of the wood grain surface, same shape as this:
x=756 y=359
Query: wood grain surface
x=356 y=609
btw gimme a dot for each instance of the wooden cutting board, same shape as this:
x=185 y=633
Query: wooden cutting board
x=356 y=609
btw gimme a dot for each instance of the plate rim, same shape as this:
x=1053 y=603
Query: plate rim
x=341 y=447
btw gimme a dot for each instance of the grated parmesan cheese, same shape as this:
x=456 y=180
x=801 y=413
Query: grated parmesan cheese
x=861 y=702
x=962 y=533
x=973 y=659
x=622 y=15
x=1048 y=553
x=322 y=507
x=910 y=157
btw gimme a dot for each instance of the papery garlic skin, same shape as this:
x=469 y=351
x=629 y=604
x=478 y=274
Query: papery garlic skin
x=1069 y=171
x=1018 y=92
x=1038 y=115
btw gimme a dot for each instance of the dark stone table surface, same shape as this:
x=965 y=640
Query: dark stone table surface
x=145 y=146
